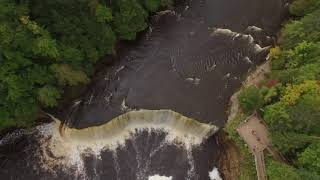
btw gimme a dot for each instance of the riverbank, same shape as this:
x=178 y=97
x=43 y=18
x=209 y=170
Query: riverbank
x=59 y=50
x=179 y=66
x=238 y=162
x=288 y=100
x=59 y=84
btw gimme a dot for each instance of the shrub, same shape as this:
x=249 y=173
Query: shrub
x=277 y=62
x=271 y=94
x=250 y=99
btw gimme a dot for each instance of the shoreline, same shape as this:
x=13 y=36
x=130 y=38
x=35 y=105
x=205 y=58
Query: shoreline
x=72 y=93
x=234 y=162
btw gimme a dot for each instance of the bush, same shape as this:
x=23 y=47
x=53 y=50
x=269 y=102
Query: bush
x=271 y=93
x=250 y=99
x=277 y=61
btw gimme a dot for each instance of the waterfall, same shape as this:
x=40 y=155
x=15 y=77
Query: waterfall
x=66 y=146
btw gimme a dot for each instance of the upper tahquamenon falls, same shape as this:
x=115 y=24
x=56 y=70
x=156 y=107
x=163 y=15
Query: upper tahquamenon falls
x=154 y=113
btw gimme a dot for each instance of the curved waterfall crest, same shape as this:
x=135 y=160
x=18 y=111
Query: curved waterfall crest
x=126 y=124
x=69 y=144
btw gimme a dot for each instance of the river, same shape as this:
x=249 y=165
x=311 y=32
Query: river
x=154 y=113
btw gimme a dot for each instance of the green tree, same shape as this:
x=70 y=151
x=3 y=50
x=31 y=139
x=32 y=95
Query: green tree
x=129 y=18
x=152 y=5
x=305 y=115
x=48 y=96
x=68 y=76
x=277 y=117
x=303 y=7
x=279 y=171
x=277 y=58
x=250 y=99
x=306 y=29
x=103 y=14
x=310 y=157
x=46 y=45
x=289 y=143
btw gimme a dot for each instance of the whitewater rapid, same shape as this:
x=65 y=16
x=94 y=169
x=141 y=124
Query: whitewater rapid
x=66 y=146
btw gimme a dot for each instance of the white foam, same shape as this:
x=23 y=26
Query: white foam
x=214 y=174
x=235 y=35
x=247 y=60
x=195 y=81
x=67 y=148
x=254 y=29
x=171 y=12
x=157 y=177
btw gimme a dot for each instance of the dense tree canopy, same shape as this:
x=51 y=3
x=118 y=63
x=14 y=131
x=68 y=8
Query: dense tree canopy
x=46 y=45
x=303 y=7
x=294 y=119
x=310 y=157
x=306 y=29
x=291 y=105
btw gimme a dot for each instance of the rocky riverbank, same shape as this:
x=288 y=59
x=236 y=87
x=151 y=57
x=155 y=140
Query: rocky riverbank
x=236 y=161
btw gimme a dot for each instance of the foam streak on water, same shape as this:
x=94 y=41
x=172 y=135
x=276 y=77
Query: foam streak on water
x=68 y=146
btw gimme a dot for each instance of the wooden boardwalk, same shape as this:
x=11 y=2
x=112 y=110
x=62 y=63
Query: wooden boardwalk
x=260 y=165
x=254 y=132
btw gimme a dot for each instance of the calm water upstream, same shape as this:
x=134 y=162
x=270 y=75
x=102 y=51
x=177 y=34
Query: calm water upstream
x=153 y=114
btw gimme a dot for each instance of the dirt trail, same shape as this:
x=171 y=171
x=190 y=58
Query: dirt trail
x=253 y=79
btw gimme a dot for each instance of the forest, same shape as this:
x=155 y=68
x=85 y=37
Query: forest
x=48 y=45
x=289 y=98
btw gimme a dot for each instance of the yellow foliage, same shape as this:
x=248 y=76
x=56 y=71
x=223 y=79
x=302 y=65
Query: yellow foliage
x=293 y=92
x=274 y=53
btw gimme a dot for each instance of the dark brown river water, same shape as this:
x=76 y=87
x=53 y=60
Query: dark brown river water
x=190 y=61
